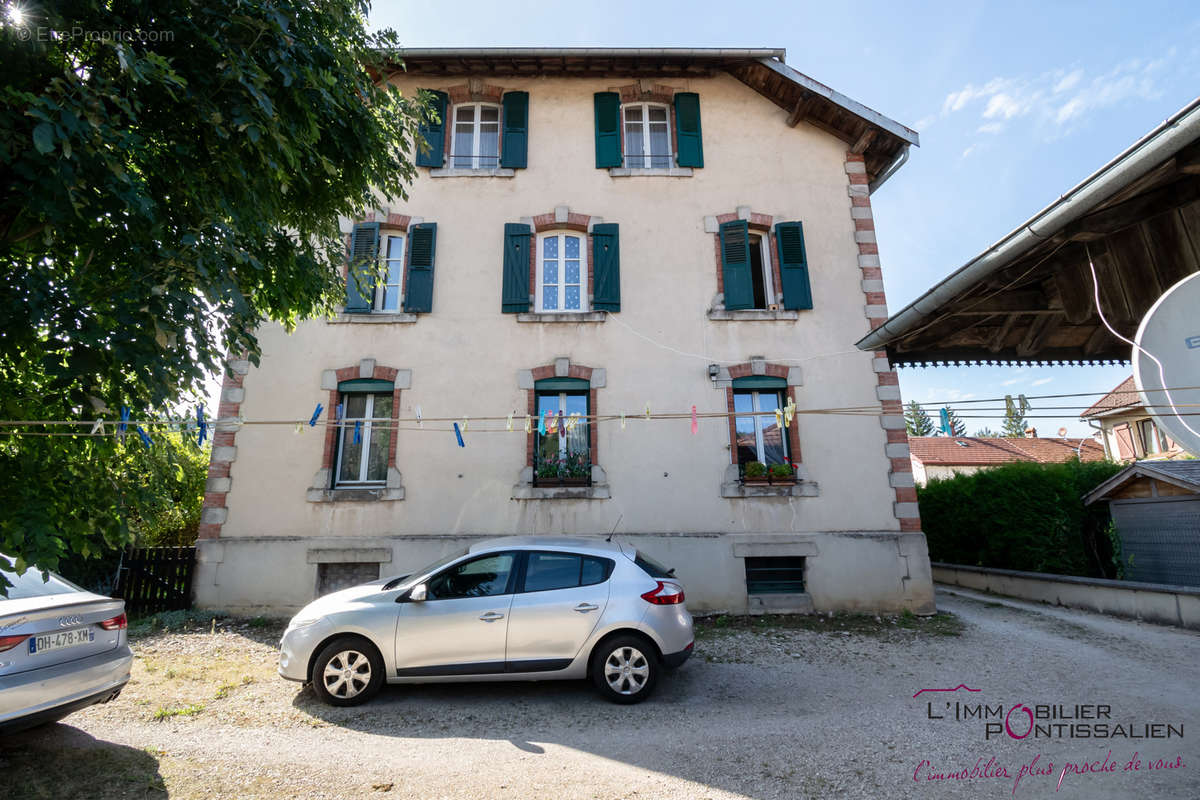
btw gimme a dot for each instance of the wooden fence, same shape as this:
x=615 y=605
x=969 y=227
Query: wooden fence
x=156 y=579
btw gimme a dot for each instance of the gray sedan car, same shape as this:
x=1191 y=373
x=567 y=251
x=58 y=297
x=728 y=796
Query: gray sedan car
x=61 y=649
x=517 y=608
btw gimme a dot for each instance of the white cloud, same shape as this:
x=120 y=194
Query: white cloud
x=1042 y=381
x=1012 y=381
x=1059 y=99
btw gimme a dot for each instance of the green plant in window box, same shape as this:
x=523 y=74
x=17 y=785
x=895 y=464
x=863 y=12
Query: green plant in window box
x=782 y=472
x=755 y=471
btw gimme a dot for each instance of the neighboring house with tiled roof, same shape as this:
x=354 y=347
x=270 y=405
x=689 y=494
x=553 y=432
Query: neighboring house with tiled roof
x=1127 y=430
x=947 y=456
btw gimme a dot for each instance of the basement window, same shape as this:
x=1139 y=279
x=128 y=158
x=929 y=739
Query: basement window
x=775 y=575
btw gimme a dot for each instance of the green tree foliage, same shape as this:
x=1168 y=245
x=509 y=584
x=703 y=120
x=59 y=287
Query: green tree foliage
x=1014 y=420
x=164 y=194
x=986 y=433
x=917 y=421
x=1021 y=516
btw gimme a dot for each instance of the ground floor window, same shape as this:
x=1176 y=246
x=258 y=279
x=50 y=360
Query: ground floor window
x=562 y=445
x=775 y=575
x=760 y=437
x=363 y=438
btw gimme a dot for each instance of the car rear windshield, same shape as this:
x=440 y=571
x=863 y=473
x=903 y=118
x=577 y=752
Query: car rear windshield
x=652 y=567
x=31 y=585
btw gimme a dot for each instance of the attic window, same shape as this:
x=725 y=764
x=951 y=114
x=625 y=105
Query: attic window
x=961 y=443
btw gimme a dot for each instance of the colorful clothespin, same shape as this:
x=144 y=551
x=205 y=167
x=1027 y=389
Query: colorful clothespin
x=647 y=412
x=458 y=435
x=299 y=427
x=572 y=420
x=622 y=420
x=338 y=413
x=144 y=436
x=357 y=431
x=695 y=422
x=789 y=412
x=562 y=428
x=202 y=425
x=466 y=423
x=1009 y=406
x=779 y=417
x=947 y=428
x=508 y=425
x=98 y=428
x=542 y=423
x=528 y=424
x=316 y=415
x=123 y=423
x=1024 y=403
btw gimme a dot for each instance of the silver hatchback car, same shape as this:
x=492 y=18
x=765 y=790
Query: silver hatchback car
x=61 y=649
x=517 y=608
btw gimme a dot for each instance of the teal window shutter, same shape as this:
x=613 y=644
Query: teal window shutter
x=360 y=274
x=687 y=129
x=418 y=283
x=608 y=129
x=793 y=265
x=515 y=292
x=515 y=146
x=606 y=267
x=735 y=265
x=433 y=132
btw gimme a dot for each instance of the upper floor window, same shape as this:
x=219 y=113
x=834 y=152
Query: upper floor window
x=1151 y=440
x=387 y=293
x=476 y=142
x=647 y=136
x=562 y=272
x=364 y=440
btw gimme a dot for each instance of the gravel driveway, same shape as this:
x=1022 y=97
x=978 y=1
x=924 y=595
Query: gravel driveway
x=795 y=708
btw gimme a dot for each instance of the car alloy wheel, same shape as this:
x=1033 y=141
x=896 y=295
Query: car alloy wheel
x=626 y=670
x=348 y=671
x=347 y=674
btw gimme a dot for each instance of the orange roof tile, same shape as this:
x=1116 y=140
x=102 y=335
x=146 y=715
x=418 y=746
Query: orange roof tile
x=1124 y=396
x=973 y=451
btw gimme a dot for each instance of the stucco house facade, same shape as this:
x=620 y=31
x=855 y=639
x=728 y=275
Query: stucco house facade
x=595 y=237
x=1128 y=431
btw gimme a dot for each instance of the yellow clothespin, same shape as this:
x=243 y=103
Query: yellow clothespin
x=528 y=424
x=647 y=411
x=779 y=417
x=622 y=421
x=299 y=427
x=789 y=412
x=508 y=425
x=466 y=422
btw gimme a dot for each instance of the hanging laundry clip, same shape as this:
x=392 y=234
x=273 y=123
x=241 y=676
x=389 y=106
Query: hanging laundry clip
x=145 y=437
x=695 y=422
x=647 y=412
x=357 y=431
x=508 y=425
x=202 y=425
x=789 y=412
x=419 y=423
x=622 y=421
x=316 y=415
x=98 y=428
x=528 y=424
x=123 y=423
x=458 y=435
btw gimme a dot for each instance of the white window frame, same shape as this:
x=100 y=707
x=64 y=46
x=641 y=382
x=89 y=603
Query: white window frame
x=381 y=287
x=365 y=434
x=764 y=245
x=647 y=157
x=476 y=130
x=759 y=419
x=584 y=300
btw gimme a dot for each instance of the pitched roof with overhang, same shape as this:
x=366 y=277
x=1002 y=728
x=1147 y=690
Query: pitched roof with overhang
x=1028 y=298
x=1123 y=398
x=972 y=451
x=1184 y=474
x=883 y=142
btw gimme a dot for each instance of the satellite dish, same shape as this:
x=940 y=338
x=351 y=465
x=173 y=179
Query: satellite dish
x=1166 y=362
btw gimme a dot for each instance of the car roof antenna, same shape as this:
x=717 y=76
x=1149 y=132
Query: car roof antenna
x=614 y=530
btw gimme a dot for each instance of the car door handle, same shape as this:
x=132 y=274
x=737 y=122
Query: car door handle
x=583 y=608
x=491 y=616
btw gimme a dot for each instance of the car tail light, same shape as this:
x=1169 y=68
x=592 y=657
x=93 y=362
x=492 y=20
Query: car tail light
x=9 y=642
x=115 y=624
x=664 y=594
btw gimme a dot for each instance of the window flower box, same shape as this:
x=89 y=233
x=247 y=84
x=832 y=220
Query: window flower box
x=756 y=473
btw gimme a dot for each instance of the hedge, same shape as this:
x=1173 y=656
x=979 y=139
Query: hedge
x=1021 y=516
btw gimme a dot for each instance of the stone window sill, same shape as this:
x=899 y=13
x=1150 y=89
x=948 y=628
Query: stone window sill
x=373 y=318
x=732 y=486
x=357 y=495
x=589 y=316
x=597 y=491
x=452 y=172
x=650 y=172
x=753 y=314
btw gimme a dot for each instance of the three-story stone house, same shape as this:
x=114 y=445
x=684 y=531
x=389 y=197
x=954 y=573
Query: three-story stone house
x=595 y=237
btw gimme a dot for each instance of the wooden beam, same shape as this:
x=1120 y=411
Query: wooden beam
x=801 y=109
x=1024 y=301
x=1099 y=337
x=1001 y=336
x=1134 y=210
x=1036 y=335
x=863 y=142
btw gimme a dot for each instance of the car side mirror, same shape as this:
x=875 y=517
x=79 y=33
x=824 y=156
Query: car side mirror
x=417 y=595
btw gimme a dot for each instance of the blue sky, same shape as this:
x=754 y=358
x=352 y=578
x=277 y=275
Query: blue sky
x=1015 y=103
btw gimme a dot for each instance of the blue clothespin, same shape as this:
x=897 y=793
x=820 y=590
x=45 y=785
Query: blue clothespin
x=316 y=415
x=124 y=420
x=144 y=436
x=946 y=429
x=357 y=431
x=541 y=424
x=338 y=411
x=202 y=425
x=458 y=435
